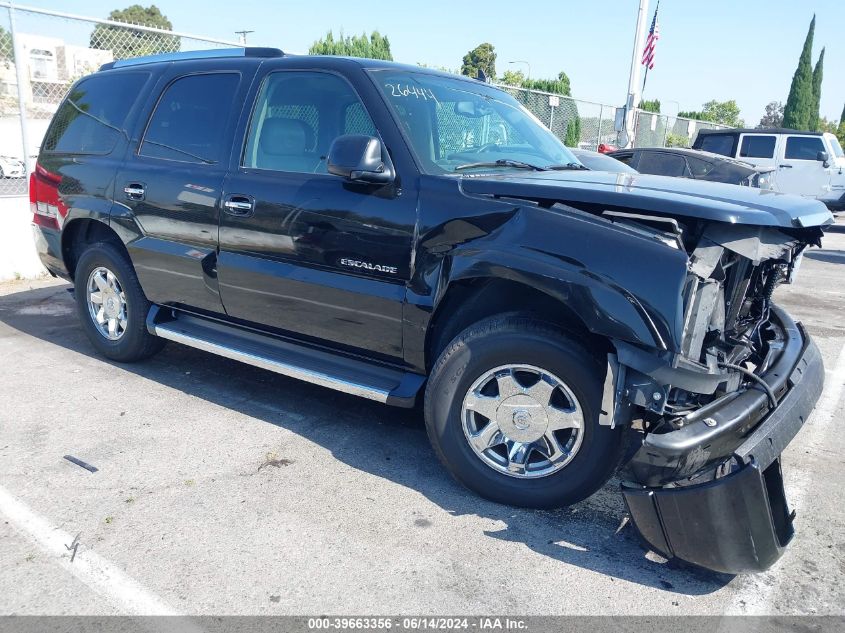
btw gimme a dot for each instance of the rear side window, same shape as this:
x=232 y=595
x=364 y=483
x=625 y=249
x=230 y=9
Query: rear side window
x=758 y=147
x=699 y=168
x=661 y=163
x=718 y=144
x=92 y=118
x=190 y=120
x=803 y=147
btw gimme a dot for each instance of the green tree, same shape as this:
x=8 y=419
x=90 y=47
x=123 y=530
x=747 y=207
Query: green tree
x=840 y=131
x=652 y=105
x=773 y=116
x=799 y=104
x=818 y=73
x=513 y=78
x=373 y=46
x=573 y=131
x=559 y=86
x=482 y=57
x=724 y=112
x=128 y=42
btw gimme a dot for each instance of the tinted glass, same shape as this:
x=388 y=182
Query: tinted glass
x=452 y=123
x=297 y=116
x=837 y=148
x=803 y=147
x=718 y=144
x=603 y=162
x=190 y=119
x=662 y=164
x=758 y=147
x=699 y=168
x=91 y=119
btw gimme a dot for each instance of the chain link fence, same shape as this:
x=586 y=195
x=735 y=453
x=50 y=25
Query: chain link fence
x=42 y=53
x=661 y=130
x=587 y=125
x=577 y=123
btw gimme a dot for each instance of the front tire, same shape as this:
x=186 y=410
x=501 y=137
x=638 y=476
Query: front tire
x=111 y=306
x=512 y=408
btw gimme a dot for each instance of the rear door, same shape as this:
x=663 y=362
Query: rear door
x=799 y=171
x=303 y=251
x=759 y=149
x=171 y=181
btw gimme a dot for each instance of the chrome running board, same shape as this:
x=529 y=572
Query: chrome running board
x=341 y=373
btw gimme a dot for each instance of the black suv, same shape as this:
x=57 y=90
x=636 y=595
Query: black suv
x=391 y=231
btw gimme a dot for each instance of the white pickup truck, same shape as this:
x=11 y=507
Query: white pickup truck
x=810 y=164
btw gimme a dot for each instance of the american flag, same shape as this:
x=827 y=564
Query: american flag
x=651 y=42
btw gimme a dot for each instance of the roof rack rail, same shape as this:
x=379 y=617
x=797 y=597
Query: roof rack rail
x=214 y=53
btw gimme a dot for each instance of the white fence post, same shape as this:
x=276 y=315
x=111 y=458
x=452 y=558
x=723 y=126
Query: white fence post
x=18 y=59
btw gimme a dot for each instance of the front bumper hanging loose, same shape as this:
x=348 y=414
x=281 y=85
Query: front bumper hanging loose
x=739 y=522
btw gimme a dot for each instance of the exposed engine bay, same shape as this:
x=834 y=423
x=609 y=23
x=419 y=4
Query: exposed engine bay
x=729 y=338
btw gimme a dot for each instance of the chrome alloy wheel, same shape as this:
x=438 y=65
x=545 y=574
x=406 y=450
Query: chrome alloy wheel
x=522 y=421
x=106 y=303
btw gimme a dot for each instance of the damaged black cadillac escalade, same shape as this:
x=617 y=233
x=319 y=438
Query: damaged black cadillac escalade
x=408 y=236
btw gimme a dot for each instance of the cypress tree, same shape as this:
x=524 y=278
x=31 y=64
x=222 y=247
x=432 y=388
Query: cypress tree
x=817 y=93
x=796 y=114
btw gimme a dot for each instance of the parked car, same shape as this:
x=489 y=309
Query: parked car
x=688 y=163
x=403 y=234
x=601 y=162
x=11 y=167
x=810 y=164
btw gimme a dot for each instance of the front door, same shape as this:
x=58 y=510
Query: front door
x=303 y=251
x=170 y=185
x=799 y=171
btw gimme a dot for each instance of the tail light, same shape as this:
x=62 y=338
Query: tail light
x=44 y=198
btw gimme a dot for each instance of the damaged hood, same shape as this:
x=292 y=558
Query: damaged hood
x=655 y=194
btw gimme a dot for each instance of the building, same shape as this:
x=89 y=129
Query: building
x=51 y=67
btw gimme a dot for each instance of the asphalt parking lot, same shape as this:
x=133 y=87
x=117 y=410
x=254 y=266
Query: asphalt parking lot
x=225 y=489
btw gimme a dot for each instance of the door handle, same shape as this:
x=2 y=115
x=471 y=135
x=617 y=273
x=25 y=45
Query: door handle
x=134 y=191
x=237 y=204
x=785 y=166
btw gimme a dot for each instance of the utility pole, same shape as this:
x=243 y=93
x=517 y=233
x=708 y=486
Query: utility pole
x=242 y=36
x=634 y=79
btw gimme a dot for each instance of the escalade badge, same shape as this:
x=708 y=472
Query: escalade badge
x=357 y=263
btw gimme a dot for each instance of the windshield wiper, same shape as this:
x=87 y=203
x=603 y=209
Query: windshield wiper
x=502 y=162
x=576 y=166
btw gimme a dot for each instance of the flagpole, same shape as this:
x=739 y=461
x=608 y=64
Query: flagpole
x=632 y=100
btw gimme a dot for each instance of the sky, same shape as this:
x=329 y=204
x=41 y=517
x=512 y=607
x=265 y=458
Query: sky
x=745 y=50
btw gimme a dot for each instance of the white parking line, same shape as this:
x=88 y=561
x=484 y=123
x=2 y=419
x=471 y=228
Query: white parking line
x=126 y=594
x=756 y=595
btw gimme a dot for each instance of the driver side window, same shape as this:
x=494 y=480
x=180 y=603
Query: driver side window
x=297 y=116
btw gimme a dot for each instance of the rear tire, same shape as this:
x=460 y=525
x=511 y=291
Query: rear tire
x=541 y=392
x=111 y=306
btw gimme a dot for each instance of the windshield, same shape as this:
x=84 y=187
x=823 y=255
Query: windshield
x=458 y=125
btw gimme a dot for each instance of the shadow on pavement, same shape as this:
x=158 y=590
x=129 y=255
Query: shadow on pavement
x=384 y=441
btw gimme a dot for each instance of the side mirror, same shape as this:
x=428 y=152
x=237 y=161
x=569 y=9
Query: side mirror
x=823 y=157
x=359 y=158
